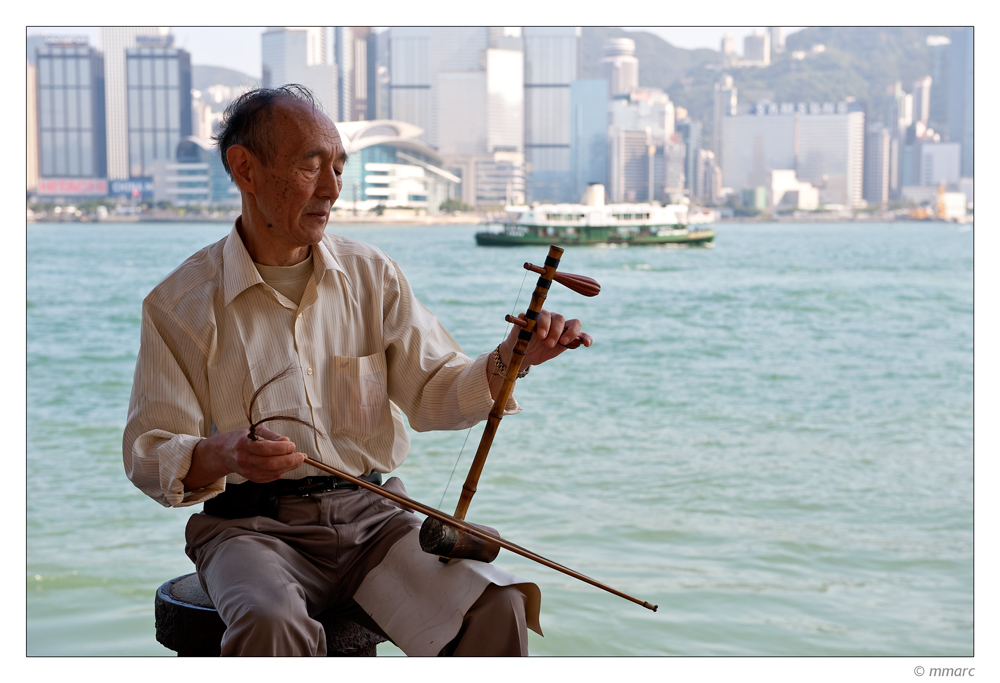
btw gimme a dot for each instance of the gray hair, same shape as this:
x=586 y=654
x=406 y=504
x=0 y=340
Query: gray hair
x=245 y=121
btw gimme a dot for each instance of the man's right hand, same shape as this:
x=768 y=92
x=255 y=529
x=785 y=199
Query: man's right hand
x=259 y=461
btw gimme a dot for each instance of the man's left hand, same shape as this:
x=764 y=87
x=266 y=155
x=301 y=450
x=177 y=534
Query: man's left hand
x=553 y=335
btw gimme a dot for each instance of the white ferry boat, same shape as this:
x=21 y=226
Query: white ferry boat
x=598 y=223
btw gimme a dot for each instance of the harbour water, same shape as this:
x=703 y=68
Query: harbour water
x=771 y=439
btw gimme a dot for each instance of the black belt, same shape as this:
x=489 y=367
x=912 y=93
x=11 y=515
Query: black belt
x=251 y=499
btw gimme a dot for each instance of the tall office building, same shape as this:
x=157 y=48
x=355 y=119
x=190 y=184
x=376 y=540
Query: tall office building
x=551 y=63
x=709 y=177
x=938 y=163
x=922 y=99
x=631 y=165
x=588 y=134
x=648 y=111
x=777 y=34
x=350 y=50
x=724 y=104
x=728 y=45
x=898 y=110
x=757 y=48
x=938 y=46
x=112 y=41
x=158 y=82
x=375 y=72
x=410 y=77
x=619 y=66
x=71 y=101
x=31 y=134
x=878 y=147
x=343 y=57
x=644 y=108
x=690 y=132
x=456 y=54
x=478 y=110
x=674 y=177
x=822 y=143
x=298 y=55
x=960 y=117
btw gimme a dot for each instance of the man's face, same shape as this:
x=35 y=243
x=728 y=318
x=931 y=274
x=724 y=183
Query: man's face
x=303 y=180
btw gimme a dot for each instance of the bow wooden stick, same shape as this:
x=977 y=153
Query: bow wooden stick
x=473 y=530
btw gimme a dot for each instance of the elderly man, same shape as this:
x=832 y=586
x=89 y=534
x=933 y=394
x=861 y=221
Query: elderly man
x=277 y=544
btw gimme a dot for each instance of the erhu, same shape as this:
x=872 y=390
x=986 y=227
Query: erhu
x=450 y=536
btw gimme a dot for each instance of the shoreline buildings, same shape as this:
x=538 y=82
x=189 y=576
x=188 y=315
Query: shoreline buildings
x=499 y=115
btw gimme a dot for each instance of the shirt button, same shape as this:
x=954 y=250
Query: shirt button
x=309 y=371
x=300 y=315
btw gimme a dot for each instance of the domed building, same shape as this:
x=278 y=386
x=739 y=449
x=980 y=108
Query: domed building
x=389 y=166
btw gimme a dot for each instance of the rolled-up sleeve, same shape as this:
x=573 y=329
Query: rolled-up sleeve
x=166 y=419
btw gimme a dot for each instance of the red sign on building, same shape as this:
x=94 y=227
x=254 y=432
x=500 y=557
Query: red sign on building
x=73 y=187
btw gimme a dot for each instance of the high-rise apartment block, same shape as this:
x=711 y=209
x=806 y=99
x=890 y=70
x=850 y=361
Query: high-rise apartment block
x=112 y=41
x=158 y=84
x=551 y=64
x=298 y=55
x=619 y=67
x=71 y=120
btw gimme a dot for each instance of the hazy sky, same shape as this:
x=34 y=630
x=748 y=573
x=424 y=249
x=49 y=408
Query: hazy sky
x=239 y=48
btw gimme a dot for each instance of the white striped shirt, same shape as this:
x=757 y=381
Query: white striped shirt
x=362 y=345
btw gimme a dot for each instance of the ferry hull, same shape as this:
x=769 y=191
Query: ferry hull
x=503 y=239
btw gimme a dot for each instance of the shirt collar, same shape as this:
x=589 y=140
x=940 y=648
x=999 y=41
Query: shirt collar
x=239 y=272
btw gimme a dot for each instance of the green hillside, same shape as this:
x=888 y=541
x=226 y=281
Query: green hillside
x=204 y=76
x=857 y=63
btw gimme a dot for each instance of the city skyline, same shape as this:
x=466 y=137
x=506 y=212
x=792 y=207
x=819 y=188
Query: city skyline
x=241 y=49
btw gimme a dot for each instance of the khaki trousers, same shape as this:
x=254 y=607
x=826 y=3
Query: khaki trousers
x=270 y=578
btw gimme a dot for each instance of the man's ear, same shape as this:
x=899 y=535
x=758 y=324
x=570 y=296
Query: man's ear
x=241 y=163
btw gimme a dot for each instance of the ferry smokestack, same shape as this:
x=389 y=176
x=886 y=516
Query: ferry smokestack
x=595 y=194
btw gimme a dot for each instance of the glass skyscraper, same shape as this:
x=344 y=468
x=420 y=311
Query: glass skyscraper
x=71 y=125
x=159 y=105
x=960 y=98
x=551 y=63
x=588 y=145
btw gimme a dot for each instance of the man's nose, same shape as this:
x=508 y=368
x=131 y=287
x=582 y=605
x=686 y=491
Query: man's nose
x=329 y=184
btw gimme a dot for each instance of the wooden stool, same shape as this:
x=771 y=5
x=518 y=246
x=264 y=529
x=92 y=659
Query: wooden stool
x=188 y=624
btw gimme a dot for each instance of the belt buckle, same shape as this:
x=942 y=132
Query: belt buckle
x=314 y=485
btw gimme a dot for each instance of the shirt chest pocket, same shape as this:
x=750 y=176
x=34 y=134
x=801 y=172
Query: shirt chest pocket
x=357 y=395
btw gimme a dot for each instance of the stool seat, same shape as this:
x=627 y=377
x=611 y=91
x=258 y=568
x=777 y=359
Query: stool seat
x=188 y=623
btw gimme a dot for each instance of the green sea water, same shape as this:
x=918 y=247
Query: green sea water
x=771 y=439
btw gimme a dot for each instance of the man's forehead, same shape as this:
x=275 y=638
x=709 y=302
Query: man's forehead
x=309 y=122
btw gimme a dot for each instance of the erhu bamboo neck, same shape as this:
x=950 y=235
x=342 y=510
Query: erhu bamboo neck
x=507 y=388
